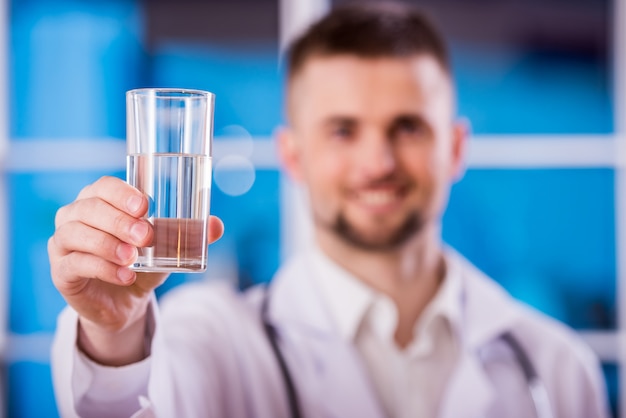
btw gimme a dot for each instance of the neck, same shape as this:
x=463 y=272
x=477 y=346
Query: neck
x=409 y=274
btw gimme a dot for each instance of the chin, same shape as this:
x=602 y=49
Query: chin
x=388 y=240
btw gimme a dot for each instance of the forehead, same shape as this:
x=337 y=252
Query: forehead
x=356 y=86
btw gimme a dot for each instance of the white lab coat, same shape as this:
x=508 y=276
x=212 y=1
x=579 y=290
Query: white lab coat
x=211 y=358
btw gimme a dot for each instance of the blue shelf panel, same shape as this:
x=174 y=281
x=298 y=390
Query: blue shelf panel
x=547 y=235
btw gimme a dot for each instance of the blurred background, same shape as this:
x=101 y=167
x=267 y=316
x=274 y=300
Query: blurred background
x=542 y=207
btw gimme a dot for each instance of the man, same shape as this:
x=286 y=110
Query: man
x=378 y=319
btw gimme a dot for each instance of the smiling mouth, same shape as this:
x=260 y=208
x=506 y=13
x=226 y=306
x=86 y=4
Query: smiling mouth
x=380 y=197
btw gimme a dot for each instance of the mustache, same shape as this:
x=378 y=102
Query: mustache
x=389 y=180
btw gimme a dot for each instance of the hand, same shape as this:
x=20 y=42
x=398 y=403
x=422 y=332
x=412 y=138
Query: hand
x=96 y=238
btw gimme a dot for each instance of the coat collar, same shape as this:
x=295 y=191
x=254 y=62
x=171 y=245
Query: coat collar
x=296 y=301
x=488 y=311
x=297 y=308
x=486 y=308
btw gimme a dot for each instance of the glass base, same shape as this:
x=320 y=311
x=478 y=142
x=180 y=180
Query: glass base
x=169 y=265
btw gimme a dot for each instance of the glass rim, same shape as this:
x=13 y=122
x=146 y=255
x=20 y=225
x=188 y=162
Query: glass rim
x=170 y=92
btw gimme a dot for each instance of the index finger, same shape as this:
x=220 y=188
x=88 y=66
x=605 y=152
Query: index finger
x=118 y=194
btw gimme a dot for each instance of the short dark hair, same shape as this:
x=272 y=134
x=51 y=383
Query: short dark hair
x=369 y=30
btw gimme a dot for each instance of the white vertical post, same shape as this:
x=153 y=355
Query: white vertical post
x=296 y=16
x=619 y=106
x=296 y=230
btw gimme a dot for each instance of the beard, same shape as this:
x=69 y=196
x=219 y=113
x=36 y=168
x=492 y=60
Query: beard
x=383 y=241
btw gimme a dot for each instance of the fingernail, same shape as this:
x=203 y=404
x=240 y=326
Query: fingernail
x=138 y=231
x=125 y=275
x=133 y=203
x=125 y=252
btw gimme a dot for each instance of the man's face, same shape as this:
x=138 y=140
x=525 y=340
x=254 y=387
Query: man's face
x=375 y=143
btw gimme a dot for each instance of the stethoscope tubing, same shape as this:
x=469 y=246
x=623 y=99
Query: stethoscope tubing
x=270 y=332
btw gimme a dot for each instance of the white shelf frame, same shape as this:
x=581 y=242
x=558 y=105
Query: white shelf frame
x=619 y=112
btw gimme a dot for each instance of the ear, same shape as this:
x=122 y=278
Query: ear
x=288 y=152
x=460 y=137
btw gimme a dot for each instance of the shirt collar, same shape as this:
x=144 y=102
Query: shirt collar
x=447 y=302
x=446 y=305
x=349 y=301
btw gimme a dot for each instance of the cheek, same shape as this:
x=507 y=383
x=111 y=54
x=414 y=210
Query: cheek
x=324 y=190
x=429 y=172
x=437 y=181
x=322 y=173
x=321 y=166
x=439 y=161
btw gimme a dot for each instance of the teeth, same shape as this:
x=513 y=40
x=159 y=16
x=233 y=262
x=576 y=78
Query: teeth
x=377 y=197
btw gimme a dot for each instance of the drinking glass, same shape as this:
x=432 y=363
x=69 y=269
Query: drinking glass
x=169 y=142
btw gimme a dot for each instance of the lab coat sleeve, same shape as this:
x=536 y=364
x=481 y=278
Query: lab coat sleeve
x=208 y=357
x=84 y=388
x=579 y=376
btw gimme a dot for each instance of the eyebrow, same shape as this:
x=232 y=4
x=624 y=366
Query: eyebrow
x=409 y=117
x=340 y=120
x=351 y=121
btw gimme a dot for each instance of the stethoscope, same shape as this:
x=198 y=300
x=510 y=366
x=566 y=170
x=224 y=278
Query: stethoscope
x=536 y=387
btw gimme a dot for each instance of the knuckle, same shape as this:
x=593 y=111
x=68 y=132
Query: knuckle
x=52 y=254
x=97 y=187
x=121 y=224
x=77 y=210
x=103 y=270
x=59 y=239
x=105 y=182
x=90 y=205
x=90 y=210
x=85 y=191
x=60 y=215
x=78 y=264
x=103 y=243
x=54 y=274
x=60 y=271
x=54 y=250
x=101 y=181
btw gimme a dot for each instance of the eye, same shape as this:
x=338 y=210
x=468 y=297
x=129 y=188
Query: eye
x=408 y=127
x=342 y=131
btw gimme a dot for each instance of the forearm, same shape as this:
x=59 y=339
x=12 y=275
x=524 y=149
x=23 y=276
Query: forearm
x=113 y=348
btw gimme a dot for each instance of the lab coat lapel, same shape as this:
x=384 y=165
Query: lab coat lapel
x=330 y=372
x=469 y=392
x=488 y=310
x=343 y=386
x=487 y=314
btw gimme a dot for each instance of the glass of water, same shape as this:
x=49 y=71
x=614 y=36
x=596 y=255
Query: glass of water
x=169 y=140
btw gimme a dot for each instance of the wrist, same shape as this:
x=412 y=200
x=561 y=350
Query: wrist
x=113 y=347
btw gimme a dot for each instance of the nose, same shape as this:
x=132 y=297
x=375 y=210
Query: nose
x=378 y=157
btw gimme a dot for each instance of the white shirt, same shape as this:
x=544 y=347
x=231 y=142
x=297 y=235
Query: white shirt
x=410 y=382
